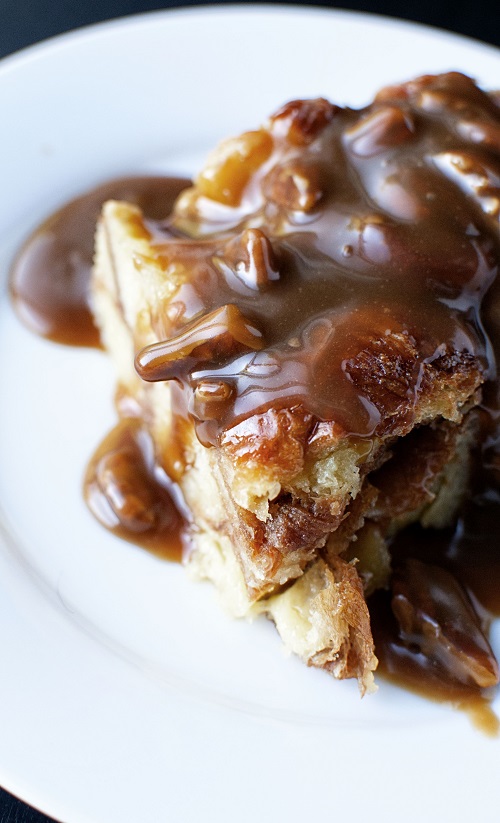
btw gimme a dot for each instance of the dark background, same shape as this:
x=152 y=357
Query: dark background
x=26 y=21
x=23 y=22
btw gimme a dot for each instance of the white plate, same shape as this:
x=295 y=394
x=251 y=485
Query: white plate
x=126 y=695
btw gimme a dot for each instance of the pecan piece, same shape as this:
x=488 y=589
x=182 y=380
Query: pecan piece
x=215 y=337
x=121 y=479
x=473 y=177
x=232 y=164
x=211 y=398
x=121 y=486
x=251 y=257
x=301 y=121
x=294 y=185
x=481 y=132
x=437 y=618
x=380 y=130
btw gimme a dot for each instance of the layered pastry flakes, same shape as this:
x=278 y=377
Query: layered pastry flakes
x=302 y=341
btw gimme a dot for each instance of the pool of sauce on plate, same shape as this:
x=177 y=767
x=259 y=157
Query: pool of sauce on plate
x=49 y=289
x=49 y=283
x=401 y=204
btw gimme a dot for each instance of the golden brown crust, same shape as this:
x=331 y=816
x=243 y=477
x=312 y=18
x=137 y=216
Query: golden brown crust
x=405 y=390
x=273 y=441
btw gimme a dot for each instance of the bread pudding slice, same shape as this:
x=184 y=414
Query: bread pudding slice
x=301 y=339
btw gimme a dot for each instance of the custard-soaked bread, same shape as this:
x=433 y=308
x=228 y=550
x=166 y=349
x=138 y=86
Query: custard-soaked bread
x=308 y=347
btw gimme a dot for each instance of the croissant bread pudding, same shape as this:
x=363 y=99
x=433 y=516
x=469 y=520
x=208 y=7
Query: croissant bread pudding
x=305 y=356
x=302 y=341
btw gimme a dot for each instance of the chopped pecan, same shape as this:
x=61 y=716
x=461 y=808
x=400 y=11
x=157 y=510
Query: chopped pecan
x=380 y=130
x=301 y=121
x=230 y=167
x=481 y=132
x=437 y=618
x=473 y=177
x=215 y=337
x=294 y=185
x=251 y=257
x=211 y=398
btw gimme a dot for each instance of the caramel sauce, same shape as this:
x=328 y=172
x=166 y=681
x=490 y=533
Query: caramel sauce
x=410 y=669
x=131 y=495
x=351 y=235
x=469 y=553
x=362 y=232
x=49 y=282
x=49 y=288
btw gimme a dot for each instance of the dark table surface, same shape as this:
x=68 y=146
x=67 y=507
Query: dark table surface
x=23 y=22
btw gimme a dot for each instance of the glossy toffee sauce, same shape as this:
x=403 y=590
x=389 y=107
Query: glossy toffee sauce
x=131 y=495
x=49 y=288
x=49 y=284
x=352 y=227
x=392 y=246
x=470 y=551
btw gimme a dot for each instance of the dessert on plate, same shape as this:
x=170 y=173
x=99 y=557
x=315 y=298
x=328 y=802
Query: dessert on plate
x=302 y=344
